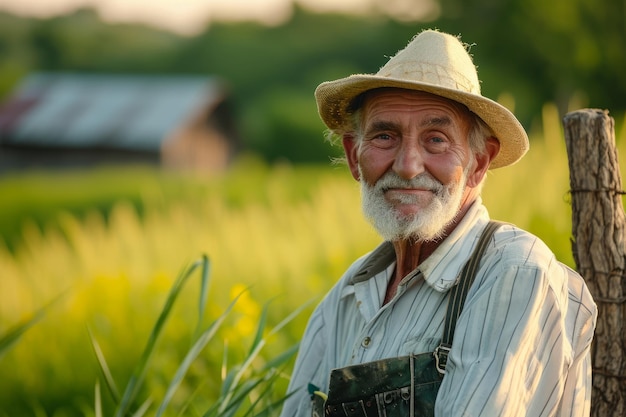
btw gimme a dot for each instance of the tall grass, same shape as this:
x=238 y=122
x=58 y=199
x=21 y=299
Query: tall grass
x=284 y=244
x=242 y=389
x=283 y=234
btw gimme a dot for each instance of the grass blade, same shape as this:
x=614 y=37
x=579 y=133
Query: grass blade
x=236 y=377
x=233 y=404
x=270 y=410
x=98 y=400
x=193 y=354
x=136 y=379
x=15 y=333
x=224 y=369
x=271 y=369
x=141 y=411
x=204 y=293
x=104 y=368
x=282 y=358
x=257 y=346
x=258 y=337
x=290 y=317
x=269 y=379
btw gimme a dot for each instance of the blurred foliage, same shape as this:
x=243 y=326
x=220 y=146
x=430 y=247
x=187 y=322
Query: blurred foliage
x=36 y=199
x=529 y=52
x=273 y=231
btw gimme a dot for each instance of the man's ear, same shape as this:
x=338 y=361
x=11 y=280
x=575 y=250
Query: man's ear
x=350 y=147
x=492 y=147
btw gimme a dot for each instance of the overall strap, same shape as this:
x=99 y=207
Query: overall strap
x=458 y=294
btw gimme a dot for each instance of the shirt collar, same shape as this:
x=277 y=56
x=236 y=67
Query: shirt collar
x=441 y=269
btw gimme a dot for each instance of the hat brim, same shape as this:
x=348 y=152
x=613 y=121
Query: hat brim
x=334 y=99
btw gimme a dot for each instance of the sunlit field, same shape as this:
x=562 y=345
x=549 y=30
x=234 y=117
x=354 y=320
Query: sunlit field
x=277 y=237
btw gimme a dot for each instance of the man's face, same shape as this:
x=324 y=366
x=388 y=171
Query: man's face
x=413 y=162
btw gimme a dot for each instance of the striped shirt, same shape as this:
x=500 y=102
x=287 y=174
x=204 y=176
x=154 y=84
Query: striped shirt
x=521 y=345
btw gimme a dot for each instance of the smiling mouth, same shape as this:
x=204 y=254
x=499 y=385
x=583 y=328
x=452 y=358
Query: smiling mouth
x=409 y=195
x=408 y=190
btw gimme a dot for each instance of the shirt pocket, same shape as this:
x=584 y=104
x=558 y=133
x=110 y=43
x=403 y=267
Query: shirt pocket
x=419 y=345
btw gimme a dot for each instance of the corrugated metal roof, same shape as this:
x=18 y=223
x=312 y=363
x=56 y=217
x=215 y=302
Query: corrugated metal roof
x=107 y=111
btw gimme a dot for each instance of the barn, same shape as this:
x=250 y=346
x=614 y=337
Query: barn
x=60 y=120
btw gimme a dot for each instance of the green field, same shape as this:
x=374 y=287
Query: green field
x=113 y=241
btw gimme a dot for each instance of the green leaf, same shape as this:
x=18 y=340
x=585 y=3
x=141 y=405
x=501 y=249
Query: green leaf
x=104 y=368
x=141 y=411
x=232 y=404
x=192 y=355
x=271 y=410
x=14 y=334
x=204 y=293
x=268 y=379
x=137 y=378
x=258 y=337
x=230 y=386
x=290 y=317
x=98 y=400
x=282 y=358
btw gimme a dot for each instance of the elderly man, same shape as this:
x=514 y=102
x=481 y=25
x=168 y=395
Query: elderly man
x=454 y=314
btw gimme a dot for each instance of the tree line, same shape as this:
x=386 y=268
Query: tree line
x=569 y=52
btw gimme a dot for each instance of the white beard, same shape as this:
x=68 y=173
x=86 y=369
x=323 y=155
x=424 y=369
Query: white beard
x=427 y=225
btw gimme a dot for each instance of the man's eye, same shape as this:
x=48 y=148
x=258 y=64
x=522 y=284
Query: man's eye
x=438 y=141
x=382 y=140
x=437 y=144
x=382 y=136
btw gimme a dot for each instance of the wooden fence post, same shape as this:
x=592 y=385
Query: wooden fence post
x=599 y=248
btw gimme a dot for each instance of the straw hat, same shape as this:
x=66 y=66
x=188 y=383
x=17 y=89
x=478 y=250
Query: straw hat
x=436 y=63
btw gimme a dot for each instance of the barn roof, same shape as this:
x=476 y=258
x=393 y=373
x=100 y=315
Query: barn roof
x=74 y=110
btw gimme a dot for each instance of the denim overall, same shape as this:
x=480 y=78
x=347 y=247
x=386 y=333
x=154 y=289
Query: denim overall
x=400 y=387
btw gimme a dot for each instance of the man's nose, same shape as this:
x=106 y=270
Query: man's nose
x=409 y=161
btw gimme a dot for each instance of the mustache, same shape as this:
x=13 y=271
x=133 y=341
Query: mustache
x=422 y=181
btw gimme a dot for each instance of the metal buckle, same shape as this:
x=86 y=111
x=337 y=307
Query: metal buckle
x=441 y=358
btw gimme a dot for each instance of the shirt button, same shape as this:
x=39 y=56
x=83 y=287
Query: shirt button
x=366 y=341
